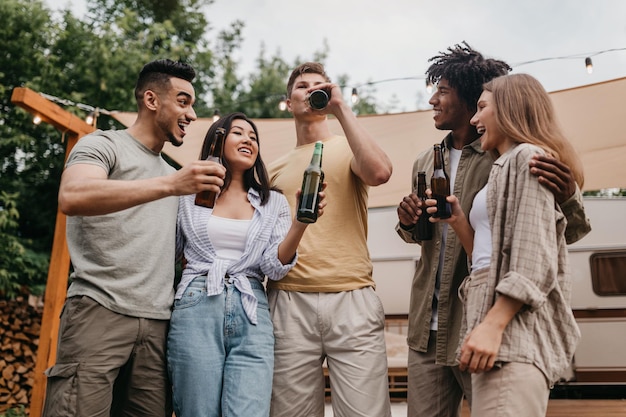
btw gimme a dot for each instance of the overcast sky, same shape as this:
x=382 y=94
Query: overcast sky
x=373 y=40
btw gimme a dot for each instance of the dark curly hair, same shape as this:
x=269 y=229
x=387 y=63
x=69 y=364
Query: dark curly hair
x=466 y=70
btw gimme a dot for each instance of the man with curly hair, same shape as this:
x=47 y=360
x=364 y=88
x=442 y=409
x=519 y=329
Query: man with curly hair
x=436 y=385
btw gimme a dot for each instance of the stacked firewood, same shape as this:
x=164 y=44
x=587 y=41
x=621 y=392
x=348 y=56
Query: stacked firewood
x=20 y=322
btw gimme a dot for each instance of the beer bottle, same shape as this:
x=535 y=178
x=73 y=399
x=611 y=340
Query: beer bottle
x=318 y=99
x=311 y=186
x=424 y=226
x=440 y=185
x=216 y=152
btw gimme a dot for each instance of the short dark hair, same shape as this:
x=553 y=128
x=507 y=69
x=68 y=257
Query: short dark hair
x=255 y=177
x=466 y=70
x=158 y=73
x=305 y=68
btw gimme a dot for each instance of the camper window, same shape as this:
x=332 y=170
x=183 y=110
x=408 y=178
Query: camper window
x=608 y=273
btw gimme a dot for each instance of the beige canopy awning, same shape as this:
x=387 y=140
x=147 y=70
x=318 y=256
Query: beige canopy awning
x=589 y=115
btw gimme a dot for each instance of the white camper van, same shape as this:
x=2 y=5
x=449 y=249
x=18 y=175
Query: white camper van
x=598 y=264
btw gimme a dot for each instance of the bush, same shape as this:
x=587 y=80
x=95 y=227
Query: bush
x=20 y=268
x=15 y=412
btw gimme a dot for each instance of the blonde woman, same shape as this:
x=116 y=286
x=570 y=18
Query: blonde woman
x=519 y=333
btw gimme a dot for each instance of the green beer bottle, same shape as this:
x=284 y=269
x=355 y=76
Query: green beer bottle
x=311 y=186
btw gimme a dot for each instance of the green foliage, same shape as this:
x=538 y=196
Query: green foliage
x=30 y=157
x=609 y=192
x=19 y=266
x=266 y=88
x=95 y=60
x=15 y=412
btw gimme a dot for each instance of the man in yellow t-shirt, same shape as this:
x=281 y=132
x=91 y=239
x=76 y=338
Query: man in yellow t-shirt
x=326 y=307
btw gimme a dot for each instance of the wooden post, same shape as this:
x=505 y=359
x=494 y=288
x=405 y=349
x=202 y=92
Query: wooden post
x=56 y=285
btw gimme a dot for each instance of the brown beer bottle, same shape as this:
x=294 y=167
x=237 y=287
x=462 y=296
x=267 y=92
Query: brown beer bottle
x=424 y=226
x=216 y=151
x=440 y=185
x=311 y=186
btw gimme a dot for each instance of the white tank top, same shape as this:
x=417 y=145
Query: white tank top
x=479 y=219
x=228 y=236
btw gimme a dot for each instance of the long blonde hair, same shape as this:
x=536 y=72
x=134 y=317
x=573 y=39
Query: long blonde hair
x=524 y=112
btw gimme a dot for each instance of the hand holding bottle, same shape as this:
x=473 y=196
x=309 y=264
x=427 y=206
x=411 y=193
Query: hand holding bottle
x=321 y=202
x=216 y=151
x=412 y=210
x=409 y=210
x=440 y=184
x=313 y=178
x=457 y=216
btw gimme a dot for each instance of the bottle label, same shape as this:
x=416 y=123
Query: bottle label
x=309 y=198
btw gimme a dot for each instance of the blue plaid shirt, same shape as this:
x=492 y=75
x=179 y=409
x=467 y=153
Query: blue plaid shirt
x=268 y=228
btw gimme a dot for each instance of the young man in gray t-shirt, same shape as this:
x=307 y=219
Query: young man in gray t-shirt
x=121 y=200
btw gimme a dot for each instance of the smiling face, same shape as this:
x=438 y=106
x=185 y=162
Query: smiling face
x=487 y=126
x=241 y=147
x=175 y=111
x=450 y=113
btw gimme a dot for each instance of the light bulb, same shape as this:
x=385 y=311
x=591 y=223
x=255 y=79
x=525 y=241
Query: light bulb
x=37 y=120
x=589 y=65
x=282 y=105
x=90 y=119
x=355 y=96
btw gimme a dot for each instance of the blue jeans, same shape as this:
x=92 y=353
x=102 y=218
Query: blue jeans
x=220 y=364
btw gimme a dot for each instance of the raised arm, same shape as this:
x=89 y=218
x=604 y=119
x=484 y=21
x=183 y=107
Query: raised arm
x=370 y=163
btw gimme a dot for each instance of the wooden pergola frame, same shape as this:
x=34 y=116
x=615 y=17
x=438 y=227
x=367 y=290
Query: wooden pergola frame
x=56 y=286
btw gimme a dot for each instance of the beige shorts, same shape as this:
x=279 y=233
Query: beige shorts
x=347 y=330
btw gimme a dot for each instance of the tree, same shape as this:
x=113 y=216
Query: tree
x=267 y=87
x=26 y=26
x=19 y=266
x=78 y=61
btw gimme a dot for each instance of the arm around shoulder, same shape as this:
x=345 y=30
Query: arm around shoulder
x=578 y=225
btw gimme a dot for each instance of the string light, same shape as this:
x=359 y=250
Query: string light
x=589 y=65
x=429 y=86
x=355 y=96
x=90 y=118
x=282 y=104
x=586 y=56
x=37 y=120
x=94 y=112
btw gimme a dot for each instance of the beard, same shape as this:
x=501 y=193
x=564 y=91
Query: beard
x=173 y=140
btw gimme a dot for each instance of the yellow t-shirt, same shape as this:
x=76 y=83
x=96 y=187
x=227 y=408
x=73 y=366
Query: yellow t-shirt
x=333 y=254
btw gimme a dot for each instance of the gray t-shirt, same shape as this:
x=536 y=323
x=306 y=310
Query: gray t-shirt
x=124 y=260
